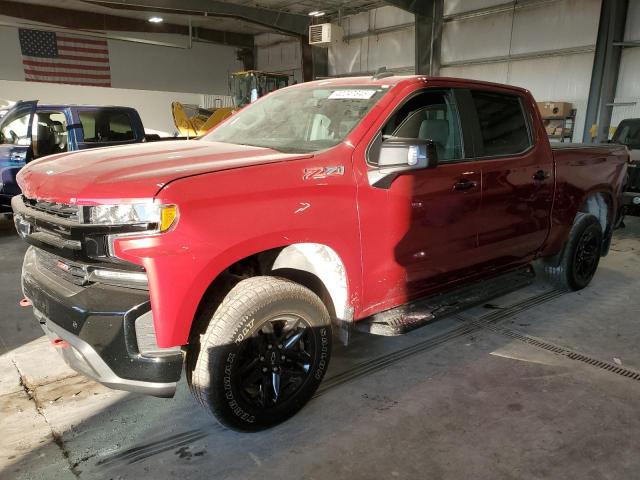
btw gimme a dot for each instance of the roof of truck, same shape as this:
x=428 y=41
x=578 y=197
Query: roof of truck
x=393 y=80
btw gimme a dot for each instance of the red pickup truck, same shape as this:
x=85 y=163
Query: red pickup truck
x=323 y=207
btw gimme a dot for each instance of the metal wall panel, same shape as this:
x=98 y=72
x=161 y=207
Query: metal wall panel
x=373 y=47
x=475 y=38
x=562 y=24
x=628 y=90
x=632 y=29
x=552 y=26
x=451 y=7
x=280 y=54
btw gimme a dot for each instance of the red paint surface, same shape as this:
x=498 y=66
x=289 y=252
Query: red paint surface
x=416 y=237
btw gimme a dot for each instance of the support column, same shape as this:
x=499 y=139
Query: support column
x=428 y=18
x=606 y=66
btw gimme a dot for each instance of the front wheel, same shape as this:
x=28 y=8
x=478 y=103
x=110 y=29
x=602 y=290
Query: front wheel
x=263 y=355
x=581 y=255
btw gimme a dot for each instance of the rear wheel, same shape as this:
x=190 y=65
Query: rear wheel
x=263 y=355
x=581 y=255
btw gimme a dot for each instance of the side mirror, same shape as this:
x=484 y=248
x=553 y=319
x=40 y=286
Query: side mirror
x=408 y=154
x=398 y=155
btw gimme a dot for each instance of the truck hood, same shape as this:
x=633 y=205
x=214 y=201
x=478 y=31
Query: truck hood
x=131 y=172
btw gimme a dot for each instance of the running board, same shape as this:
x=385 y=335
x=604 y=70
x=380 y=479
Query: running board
x=410 y=316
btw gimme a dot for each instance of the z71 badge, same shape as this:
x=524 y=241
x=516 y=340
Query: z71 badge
x=318 y=173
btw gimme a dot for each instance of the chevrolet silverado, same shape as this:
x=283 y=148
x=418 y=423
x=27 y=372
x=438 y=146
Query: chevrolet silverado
x=375 y=204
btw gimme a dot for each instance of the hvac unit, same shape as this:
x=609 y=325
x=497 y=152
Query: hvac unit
x=324 y=34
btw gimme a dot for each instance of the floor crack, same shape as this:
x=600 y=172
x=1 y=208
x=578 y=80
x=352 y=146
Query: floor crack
x=56 y=436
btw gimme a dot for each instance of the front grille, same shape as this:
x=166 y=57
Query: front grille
x=62 y=210
x=67 y=270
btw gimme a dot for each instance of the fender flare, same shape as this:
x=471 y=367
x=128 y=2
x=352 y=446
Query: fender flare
x=323 y=262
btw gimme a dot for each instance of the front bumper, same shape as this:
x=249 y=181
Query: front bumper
x=108 y=331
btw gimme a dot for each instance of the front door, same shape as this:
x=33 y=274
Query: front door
x=15 y=147
x=419 y=231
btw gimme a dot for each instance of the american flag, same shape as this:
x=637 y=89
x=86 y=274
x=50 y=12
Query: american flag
x=64 y=58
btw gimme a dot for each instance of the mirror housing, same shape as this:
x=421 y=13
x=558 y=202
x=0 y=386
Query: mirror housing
x=398 y=155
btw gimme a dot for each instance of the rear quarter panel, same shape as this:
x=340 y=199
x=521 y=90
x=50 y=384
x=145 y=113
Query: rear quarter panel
x=581 y=171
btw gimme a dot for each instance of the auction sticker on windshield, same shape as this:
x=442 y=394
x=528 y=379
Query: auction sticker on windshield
x=352 y=94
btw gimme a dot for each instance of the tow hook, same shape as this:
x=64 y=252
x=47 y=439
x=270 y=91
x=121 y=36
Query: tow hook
x=59 y=343
x=25 y=302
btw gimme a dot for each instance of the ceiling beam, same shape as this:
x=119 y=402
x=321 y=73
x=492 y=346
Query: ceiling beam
x=77 y=19
x=289 y=23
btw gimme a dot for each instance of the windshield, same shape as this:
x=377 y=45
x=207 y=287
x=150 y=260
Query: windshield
x=299 y=120
x=628 y=133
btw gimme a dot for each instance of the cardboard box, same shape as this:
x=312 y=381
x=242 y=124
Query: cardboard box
x=551 y=130
x=555 y=109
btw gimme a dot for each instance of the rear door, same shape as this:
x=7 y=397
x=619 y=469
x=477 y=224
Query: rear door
x=517 y=177
x=15 y=145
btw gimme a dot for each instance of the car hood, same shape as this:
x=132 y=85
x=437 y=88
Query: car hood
x=128 y=173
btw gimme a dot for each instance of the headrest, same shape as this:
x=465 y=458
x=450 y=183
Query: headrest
x=57 y=126
x=436 y=130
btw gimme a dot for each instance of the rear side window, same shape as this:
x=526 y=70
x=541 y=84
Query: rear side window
x=503 y=124
x=104 y=126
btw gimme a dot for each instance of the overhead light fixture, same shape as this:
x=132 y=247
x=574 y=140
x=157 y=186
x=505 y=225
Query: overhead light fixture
x=156 y=19
x=316 y=13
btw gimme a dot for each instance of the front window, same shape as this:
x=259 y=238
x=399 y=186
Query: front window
x=299 y=120
x=15 y=129
x=49 y=133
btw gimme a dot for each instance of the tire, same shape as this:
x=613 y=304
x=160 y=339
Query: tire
x=580 y=257
x=263 y=354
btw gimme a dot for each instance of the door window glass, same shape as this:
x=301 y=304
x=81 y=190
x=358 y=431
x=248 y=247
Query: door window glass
x=15 y=129
x=503 y=124
x=428 y=116
x=49 y=133
x=104 y=126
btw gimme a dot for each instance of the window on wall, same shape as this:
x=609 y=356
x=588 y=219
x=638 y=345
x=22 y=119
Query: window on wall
x=503 y=124
x=102 y=126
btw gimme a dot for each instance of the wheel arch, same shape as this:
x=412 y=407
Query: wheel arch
x=316 y=266
x=600 y=204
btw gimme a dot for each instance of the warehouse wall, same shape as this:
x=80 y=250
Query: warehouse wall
x=546 y=47
x=383 y=37
x=279 y=54
x=201 y=69
x=502 y=47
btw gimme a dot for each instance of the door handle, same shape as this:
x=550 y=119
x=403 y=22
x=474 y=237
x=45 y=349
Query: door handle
x=463 y=185
x=540 y=175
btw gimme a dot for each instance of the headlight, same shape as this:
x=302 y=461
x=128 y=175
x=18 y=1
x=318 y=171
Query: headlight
x=164 y=216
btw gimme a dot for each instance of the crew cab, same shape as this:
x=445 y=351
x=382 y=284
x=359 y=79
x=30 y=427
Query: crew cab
x=325 y=207
x=29 y=131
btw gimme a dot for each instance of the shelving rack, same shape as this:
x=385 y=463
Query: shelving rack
x=566 y=123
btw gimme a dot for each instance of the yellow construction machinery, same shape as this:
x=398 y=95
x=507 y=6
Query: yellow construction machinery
x=245 y=87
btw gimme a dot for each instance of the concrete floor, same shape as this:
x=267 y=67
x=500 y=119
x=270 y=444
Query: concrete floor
x=493 y=393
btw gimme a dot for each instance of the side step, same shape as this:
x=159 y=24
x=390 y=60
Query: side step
x=405 y=318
